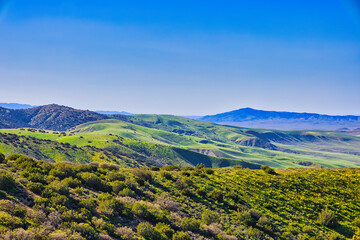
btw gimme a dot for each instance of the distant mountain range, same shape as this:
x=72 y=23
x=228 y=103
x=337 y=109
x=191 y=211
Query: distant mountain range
x=252 y=118
x=16 y=106
x=56 y=117
x=114 y=112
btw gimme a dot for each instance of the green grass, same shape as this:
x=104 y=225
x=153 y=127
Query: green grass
x=295 y=148
x=96 y=144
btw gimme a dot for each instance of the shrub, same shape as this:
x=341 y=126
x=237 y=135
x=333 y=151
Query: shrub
x=140 y=211
x=13 y=157
x=89 y=204
x=187 y=168
x=148 y=232
x=165 y=229
x=166 y=175
x=2 y=158
x=101 y=224
x=12 y=208
x=35 y=187
x=58 y=199
x=168 y=204
x=209 y=217
x=356 y=222
x=143 y=174
x=87 y=231
x=181 y=236
x=246 y=218
x=180 y=184
x=71 y=182
x=187 y=192
x=126 y=192
x=34 y=177
x=93 y=181
x=91 y=167
x=268 y=169
x=63 y=170
x=200 y=166
x=125 y=233
x=216 y=195
x=254 y=233
x=188 y=182
x=327 y=218
x=24 y=162
x=109 y=166
x=187 y=174
x=171 y=168
x=57 y=187
x=115 y=176
x=201 y=192
x=190 y=224
x=54 y=218
x=41 y=203
x=19 y=233
x=117 y=186
x=65 y=234
x=110 y=207
x=264 y=221
x=2 y=194
x=9 y=221
x=7 y=181
x=307 y=229
x=154 y=168
x=131 y=183
x=209 y=171
x=46 y=166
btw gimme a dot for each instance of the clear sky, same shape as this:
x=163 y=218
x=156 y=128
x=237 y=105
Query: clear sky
x=182 y=57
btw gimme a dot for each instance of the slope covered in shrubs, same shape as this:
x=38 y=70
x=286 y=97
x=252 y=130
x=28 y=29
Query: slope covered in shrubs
x=42 y=200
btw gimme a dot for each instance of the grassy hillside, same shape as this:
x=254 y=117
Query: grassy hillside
x=161 y=135
x=280 y=149
x=97 y=146
x=59 y=151
x=41 y=200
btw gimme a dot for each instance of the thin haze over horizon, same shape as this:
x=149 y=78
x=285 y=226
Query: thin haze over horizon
x=182 y=57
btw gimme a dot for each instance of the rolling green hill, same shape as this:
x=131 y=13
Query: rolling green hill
x=279 y=149
x=85 y=146
x=160 y=137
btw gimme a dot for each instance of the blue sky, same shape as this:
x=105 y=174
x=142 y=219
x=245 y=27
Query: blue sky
x=182 y=57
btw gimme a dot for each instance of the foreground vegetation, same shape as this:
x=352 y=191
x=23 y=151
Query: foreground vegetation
x=42 y=200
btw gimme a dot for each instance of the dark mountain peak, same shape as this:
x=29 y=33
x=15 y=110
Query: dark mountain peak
x=52 y=108
x=247 y=109
x=58 y=117
x=50 y=117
